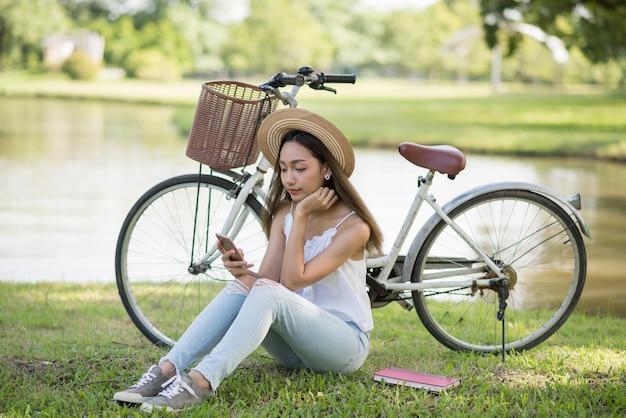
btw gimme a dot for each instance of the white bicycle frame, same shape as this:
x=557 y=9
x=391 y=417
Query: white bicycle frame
x=253 y=185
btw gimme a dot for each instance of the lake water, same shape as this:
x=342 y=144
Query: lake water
x=71 y=170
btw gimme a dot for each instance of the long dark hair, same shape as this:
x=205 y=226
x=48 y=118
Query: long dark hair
x=339 y=182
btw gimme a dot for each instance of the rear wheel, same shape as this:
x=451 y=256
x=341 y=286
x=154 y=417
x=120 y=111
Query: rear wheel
x=162 y=237
x=541 y=251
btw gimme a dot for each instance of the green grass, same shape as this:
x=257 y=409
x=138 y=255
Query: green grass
x=566 y=125
x=67 y=348
x=572 y=121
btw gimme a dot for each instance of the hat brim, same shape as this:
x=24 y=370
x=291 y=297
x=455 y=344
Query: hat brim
x=275 y=126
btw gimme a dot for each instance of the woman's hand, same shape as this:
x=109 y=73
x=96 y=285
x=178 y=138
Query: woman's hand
x=321 y=199
x=235 y=263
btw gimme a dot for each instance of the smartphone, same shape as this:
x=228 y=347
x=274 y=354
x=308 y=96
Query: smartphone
x=228 y=245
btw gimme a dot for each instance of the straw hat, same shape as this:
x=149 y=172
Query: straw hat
x=274 y=128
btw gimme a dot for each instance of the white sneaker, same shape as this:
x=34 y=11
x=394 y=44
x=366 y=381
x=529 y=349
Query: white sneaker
x=148 y=386
x=182 y=393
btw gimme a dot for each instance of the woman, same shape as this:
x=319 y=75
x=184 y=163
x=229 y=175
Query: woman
x=307 y=304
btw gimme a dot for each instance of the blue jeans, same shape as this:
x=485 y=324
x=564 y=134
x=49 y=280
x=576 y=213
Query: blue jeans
x=294 y=331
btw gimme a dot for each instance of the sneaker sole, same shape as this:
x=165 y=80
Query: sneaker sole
x=146 y=407
x=131 y=398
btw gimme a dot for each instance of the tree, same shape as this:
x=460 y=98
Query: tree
x=595 y=26
x=204 y=35
x=162 y=35
x=416 y=38
x=278 y=36
x=345 y=29
x=126 y=37
x=21 y=31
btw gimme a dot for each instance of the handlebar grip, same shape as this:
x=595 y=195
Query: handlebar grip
x=288 y=80
x=282 y=80
x=340 y=78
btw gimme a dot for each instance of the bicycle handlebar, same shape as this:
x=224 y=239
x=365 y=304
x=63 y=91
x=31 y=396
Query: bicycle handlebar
x=305 y=76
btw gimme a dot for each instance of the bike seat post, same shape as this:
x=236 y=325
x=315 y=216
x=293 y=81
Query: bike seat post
x=430 y=177
x=424 y=183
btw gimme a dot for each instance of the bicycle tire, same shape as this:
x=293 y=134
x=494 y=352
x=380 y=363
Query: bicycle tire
x=543 y=252
x=154 y=252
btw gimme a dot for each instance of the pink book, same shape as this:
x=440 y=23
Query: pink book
x=430 y=382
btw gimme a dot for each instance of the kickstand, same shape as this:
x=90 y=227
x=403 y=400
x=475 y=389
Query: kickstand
x=503 y=295
x=503 y=327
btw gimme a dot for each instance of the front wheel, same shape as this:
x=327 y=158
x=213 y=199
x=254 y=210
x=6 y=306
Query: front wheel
x=161 y=285
x=538 y=247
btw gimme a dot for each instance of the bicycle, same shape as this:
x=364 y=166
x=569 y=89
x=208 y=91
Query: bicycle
x=506 y=247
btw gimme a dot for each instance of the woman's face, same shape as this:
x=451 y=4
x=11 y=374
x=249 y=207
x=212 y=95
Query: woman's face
x=300 y=172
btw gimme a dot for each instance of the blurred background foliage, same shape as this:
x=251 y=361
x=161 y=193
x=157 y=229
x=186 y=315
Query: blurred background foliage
x=428 y=39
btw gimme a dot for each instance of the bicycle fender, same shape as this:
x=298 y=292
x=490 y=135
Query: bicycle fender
x=452 y=204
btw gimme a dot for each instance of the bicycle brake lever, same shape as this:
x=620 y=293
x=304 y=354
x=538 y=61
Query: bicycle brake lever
x=320 y=86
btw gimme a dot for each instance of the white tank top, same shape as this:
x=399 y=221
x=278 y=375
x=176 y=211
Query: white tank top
x=342 y=292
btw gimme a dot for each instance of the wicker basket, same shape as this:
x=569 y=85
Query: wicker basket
x=225 y=123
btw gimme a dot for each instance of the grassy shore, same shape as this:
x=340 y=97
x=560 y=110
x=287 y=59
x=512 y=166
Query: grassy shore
x=580 y=121
x=67 y=348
